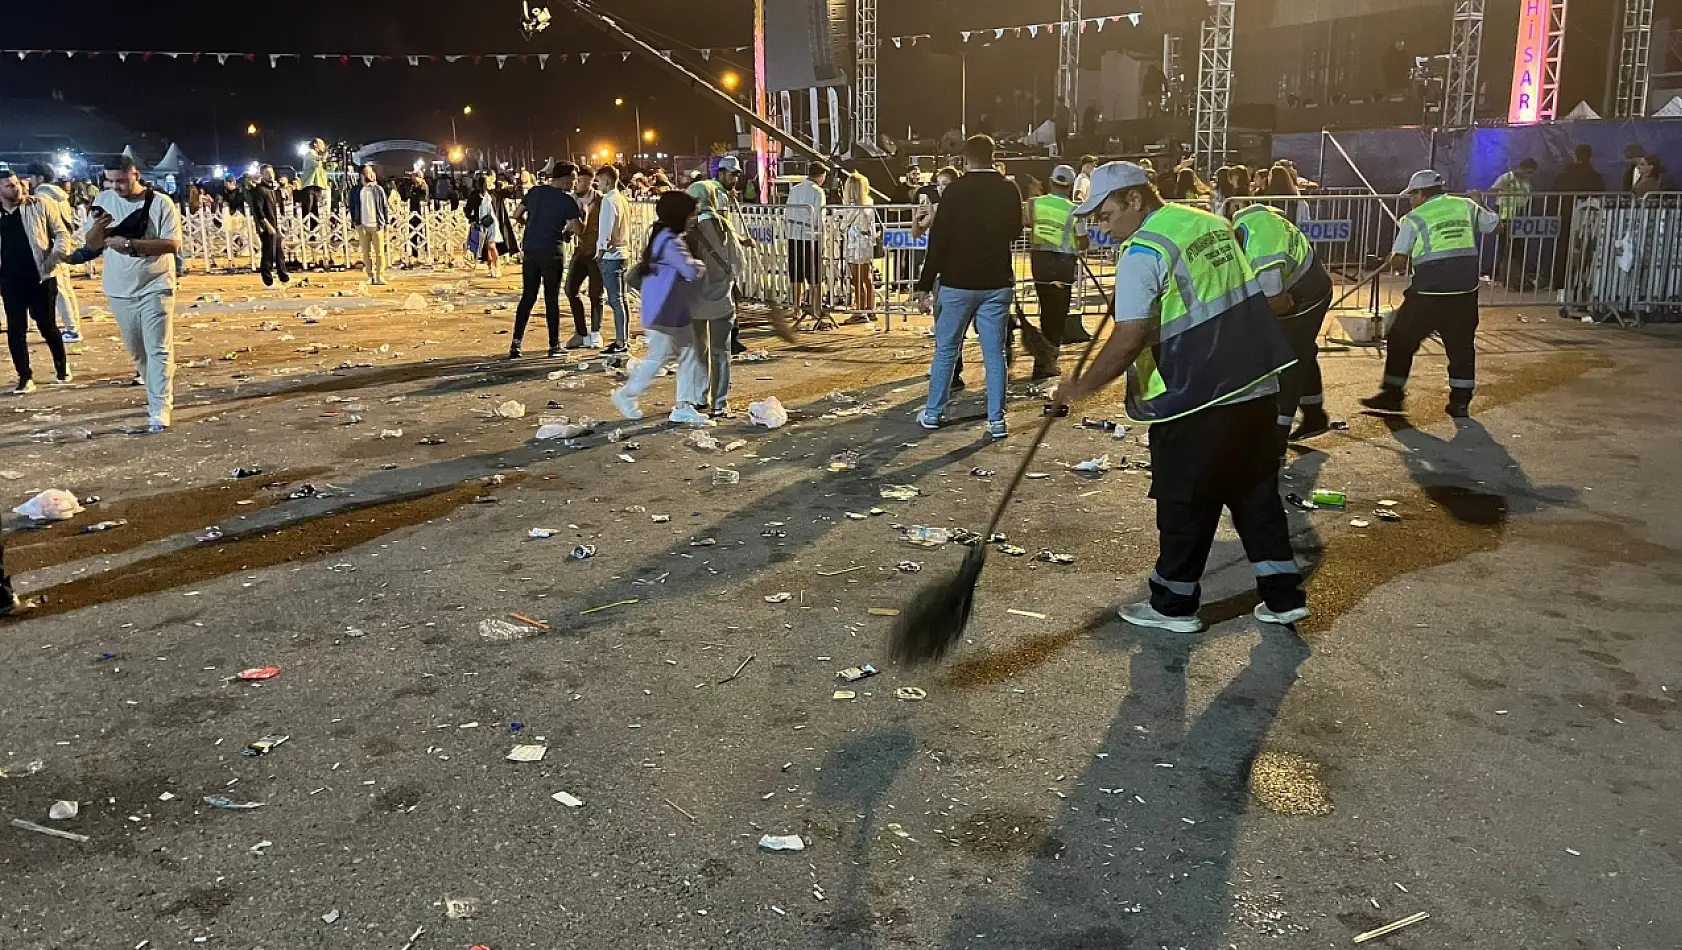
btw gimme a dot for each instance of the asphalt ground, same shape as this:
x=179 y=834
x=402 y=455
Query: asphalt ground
x=1477 y=723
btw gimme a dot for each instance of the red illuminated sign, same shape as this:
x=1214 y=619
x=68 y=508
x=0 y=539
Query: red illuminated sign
x=1525 y=105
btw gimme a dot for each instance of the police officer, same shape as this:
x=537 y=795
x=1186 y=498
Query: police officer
x=1202 y=352
x=1440 y=236
x=1299 y=291
x=1054 y=257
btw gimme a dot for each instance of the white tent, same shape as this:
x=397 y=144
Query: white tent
x=173 y=163
x=1671 y=109
x=1582 y=111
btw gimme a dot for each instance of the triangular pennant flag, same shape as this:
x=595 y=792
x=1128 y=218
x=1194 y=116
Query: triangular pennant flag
x=69 y=53
x=23 y=52
x=625 y=57
x=1033 y=31
x=965 y=34
x=250 y=57
x=221 y=59
x=431 y=59
x=414 y=61
x=666 y=54
x=146 y=57
x=501 y=60
x=542 y=60
x=525 y=57
x=742 y=49
x=706 y=54
x=563 y=57
x=385 y=59
x=1133 y=18
x=451 y=59
x=196 y=58
x=274 y=60
x=344 y=60
x=368 y=61
x=478 y=59
x=896 y=43
x=1083 y=26
x=584 y=57
x=999 y=34
x=1018 y=31
x=1100 y=25
x=93 y=55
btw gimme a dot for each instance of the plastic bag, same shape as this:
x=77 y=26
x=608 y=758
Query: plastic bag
x=769 y=413
x=562 y=430
x=54 y=504
x=414 y=302
x=511 y=409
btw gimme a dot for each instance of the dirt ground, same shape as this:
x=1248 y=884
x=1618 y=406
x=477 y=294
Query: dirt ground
x=1477 y=723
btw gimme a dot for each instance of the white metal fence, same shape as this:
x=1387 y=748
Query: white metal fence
x=220 y=239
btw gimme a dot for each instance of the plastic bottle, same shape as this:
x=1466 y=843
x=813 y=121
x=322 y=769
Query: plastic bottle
x=72 y=434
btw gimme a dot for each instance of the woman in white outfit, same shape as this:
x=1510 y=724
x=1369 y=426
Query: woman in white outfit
x=860 y=250
x=485 y=217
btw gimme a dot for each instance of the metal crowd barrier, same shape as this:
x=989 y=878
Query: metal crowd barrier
x=222 y=240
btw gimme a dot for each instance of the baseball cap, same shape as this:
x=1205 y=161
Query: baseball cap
x=729 y=163
x=1109 y=178
x=1425 y=178
x=1063 y=175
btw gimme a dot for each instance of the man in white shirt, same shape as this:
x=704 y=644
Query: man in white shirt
x=805 y=221
x=1083 y=181
x=140 y=231
x=611 y=242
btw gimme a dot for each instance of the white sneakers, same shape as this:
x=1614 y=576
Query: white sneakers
x=1284 y=617
x=627 y=405
x=690 y=416
x=1142 y=614
x=593 y=342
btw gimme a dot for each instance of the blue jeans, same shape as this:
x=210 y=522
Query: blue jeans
x=957 y=308
x=613 y=282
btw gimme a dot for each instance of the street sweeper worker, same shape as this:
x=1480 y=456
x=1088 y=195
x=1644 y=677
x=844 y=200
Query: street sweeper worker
x=1299 y=290
x=1202 y=352
x=1440 y=237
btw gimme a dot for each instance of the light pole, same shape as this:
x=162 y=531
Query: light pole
x=636 y=109
x=262 y=137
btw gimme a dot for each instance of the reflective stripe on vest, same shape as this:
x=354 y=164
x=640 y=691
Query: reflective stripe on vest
x=1270 y=240
x=1445 y=245
x=1217 y=337
x=1052 y=220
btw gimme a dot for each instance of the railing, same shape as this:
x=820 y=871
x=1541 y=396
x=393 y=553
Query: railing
x=222 y=240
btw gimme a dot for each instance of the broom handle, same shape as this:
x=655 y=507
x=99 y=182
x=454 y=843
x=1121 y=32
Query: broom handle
x=1050 y=419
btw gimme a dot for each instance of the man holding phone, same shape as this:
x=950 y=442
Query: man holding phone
x=140 y=232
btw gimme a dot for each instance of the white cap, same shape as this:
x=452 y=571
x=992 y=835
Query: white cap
x=1428 y=178
x=1063 y=175
x=1109 y=178
x=729 y=163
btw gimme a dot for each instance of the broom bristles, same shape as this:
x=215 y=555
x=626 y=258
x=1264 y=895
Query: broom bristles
x=936 y=617
x=780 y=325
x=1038 y=346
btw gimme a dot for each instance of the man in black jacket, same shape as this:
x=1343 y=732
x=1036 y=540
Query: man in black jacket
x=265 y=218
x=970 y=253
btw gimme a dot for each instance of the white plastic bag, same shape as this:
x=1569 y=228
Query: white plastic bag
x=414 y=302
x=54 y=504
x=769 y=413
x=511 y=409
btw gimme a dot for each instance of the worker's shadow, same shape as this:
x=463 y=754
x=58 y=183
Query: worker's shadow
x=855 y=779
x=1472 y=476
x=1142 y=854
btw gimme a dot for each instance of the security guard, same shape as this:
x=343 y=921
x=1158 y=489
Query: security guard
x=1440 y=236
x=1300 y=292
x=1054 y=259
x=1202 y=352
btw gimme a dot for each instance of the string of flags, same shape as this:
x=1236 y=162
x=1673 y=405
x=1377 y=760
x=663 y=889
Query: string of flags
x=542 y=59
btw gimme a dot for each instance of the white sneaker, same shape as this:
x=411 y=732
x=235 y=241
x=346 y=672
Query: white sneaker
x=1142 y=614
x=627 y=405
x=593 y=342
x=689 y=416
x=1284 y=617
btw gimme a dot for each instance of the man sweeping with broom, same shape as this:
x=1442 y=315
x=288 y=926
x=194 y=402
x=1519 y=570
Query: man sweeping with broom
x=1202 y=351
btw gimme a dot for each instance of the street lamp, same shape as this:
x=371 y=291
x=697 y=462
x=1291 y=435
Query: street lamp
x=262 y=137
x=466 y=110
x=636 y=109
x=456 y=154
x=731 y=81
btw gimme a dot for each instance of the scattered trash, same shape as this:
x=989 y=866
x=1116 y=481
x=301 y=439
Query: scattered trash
x=1011 y=550
x=768 y=413
x=1391 y=928
x=391 y=433
x=1097 y=466
x=1386 y=514
x=908 y=567
x=331 y=916
x=1330 y=498
x=307 y=491
x=539 y=534
x=1359 y=523
x=54 y=504
x=910 y=694
x=35 y=765
x=584 y=552
x=66 y=835
x=755 y=356
x=925 y=536
x=104 y=526
x=227 y=804
x=983 y=472
x=1388 y=503
x=728 y=446
x=430 y=440
x=853 y=674
x=414 y=302
x=782 y=597
x=10 y=475
x=314 y=313
x=627 y=458
x=527 y=753
x=1026 y=613
x=1053 y=558
x=856 y=516
x=210 y=535
x=843 y=694
x=567 y=799
x=739 y=669
x=726 y=476
x=1299 y=502
x=511 y=410
x=522 y=618
x=499 y=630
x=883 y=611
x=63 y=811
x=562 y=430
x=74 y=434
x=461 y=908
x=900 y=492
x=617 y=603
x=844 y=461
x=661 y=519
x=874 y=512
x=782 y=843
x=245 y=472
x=258 y=673
x=701 y=440
x=263 y=746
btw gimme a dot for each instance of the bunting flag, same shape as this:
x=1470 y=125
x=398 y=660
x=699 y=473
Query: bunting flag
x=414 y=59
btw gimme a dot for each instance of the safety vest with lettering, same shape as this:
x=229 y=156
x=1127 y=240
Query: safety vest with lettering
x=1270 y=240
x=1052 y=218
x=1445 y=245
x=1216 y=337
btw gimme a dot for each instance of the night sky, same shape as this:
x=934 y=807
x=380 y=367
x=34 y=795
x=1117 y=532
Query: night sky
x=197 y=104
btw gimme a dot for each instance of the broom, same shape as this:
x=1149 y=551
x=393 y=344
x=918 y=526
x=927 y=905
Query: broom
x=940 y=611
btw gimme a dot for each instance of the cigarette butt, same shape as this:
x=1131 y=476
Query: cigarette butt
x=884 y=612
x=524 y=619
x=1026 y=613
x=1391 y=928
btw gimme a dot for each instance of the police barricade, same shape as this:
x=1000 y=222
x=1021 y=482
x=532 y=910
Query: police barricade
x=1623 y=255
x=221 y=240
x=1351 y=235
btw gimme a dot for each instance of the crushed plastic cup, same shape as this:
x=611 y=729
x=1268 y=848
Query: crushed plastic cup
x=702 y=441
x=726 y=476
x=498 y=630
x=926 y=536
x=539 y=534
x=72 y=434
x=63 y=811
x=512 y=409
x=768 y=413
x=782 y=843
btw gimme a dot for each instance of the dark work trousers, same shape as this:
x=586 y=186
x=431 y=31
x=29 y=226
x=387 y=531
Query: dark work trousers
x=7 y=597
x=1220 y=457
x=1301 y=384
x=35 y=299
x=272 y=262
x=1454 y=317
x=310 y=204
x=1054 y=280
x=585 y=265
x=540 y=269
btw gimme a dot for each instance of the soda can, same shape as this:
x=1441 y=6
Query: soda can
x=1330 y=498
